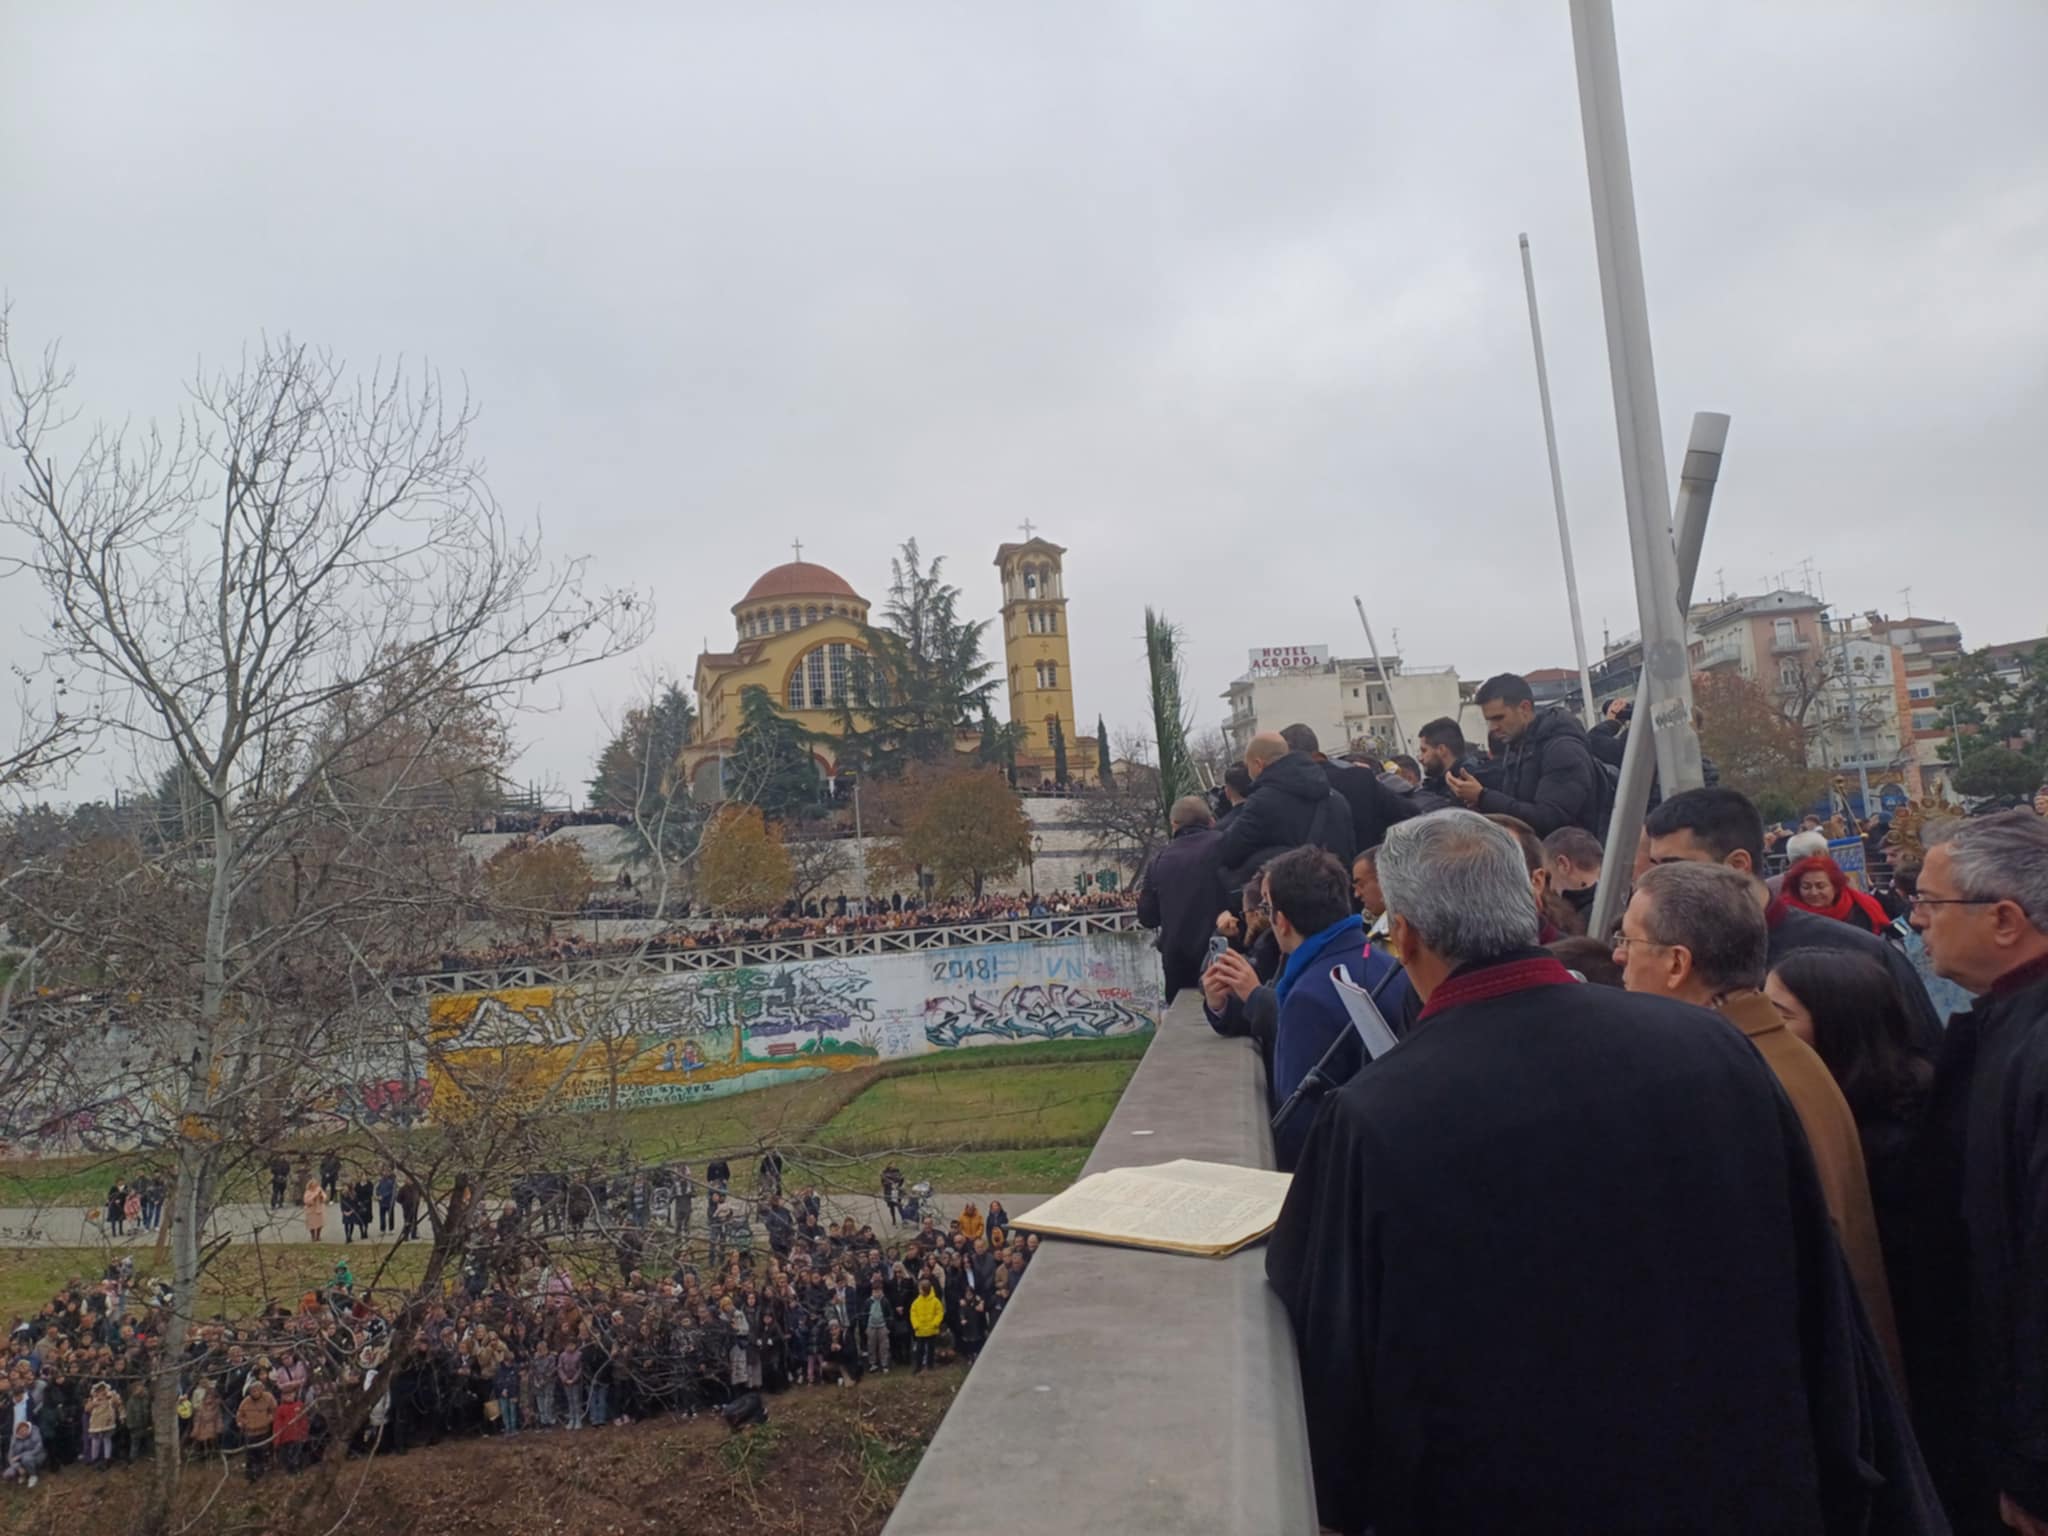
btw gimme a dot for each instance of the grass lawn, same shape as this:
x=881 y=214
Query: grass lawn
x=1001 y=1107
x=1003 y=1110
x=238 y=1281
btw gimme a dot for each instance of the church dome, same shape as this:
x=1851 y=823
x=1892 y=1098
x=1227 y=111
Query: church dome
x=798 y=578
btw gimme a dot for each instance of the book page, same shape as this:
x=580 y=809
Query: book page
x=1184 y=1205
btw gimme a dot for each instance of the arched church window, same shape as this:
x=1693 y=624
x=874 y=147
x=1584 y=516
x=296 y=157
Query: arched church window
x=811 y=614
x=796 y=617
x=778 y=621
x=835 y=654
x=796 y=689
x=815 y=667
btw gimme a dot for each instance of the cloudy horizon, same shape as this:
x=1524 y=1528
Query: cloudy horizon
x=1227 y=302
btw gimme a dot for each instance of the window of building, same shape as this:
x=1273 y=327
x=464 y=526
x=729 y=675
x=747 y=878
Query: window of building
x=796 y=617
x=796 y=689
x=816 y=667
x=811 y=614
x=1048 y=674
x=1787 y=630
x=1031 y=581
x=1788 y=674
x=778 y=621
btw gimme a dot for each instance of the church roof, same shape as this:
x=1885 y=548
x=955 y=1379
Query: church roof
x=799 y=578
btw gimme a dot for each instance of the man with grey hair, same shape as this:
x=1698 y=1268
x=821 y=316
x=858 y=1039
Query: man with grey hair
x=1695 y=932
x=1559 y=1260
x=1182 y=893
x=1975 y=1310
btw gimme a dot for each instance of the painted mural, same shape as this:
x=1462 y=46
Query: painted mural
x=670 y=1039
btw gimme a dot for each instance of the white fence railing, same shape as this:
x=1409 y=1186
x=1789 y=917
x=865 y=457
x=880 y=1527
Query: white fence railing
x=676 y=961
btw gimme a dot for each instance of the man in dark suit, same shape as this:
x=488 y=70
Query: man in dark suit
x=1183 y=891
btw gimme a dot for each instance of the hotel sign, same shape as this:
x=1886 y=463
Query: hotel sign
x=1279 y=660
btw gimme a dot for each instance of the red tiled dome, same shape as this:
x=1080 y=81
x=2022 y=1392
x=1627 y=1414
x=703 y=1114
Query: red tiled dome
x=799 y=578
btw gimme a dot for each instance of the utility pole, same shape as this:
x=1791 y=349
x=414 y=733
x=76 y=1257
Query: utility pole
x=860 y=852
x=1646 y=487
x=1564 y=527
x=1373 y=646
x=1697 y=476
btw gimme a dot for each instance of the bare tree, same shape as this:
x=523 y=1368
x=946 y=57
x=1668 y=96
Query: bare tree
x=293 y=598
x=816 y=864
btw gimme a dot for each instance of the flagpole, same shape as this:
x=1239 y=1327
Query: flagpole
x=1564 y=527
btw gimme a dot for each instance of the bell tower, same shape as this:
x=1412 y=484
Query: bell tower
x=1040 y=674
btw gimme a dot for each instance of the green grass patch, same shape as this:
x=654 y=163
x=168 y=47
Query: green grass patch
x=241 y=1278
x=1015 y=1089
x=1001 y=1107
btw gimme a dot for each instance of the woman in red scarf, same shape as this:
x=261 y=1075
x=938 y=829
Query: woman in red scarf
x=1817 y=884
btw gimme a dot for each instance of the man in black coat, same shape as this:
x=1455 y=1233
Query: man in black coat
x=1548 y=775
x=1722 y=826
x=1441 y=751
x=1182 y=893
x=1291 y=803
x=1561 y=1261
x=1609 y=741
x=1973 y=1315
x=1374 y=807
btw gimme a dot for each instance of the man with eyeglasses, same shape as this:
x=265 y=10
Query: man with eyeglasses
x=1722 y=826
x=1977 y=1304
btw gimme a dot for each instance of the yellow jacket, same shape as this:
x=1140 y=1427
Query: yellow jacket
x=926 y=1314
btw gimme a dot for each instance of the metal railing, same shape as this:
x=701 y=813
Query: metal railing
x=1129 y=1391
x=678 y=961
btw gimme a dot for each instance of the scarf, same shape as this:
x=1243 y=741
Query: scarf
x=1348 y=929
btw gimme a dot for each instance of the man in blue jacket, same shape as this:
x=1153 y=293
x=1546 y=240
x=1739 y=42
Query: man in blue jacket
x=1310 y=898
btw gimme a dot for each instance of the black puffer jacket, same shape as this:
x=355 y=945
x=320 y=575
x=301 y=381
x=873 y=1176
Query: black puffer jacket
x=1291 y=803
x=1609 y=742
x=1548 y=777
x=1374 y=807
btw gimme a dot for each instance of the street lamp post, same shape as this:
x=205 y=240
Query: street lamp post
x=1037 y=847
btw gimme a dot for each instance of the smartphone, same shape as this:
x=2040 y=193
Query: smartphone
x=1217 y=946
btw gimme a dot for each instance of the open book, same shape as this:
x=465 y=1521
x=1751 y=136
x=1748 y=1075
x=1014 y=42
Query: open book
x=1179 y=1207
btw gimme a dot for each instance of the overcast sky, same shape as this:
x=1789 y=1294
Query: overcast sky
x=1225 y=298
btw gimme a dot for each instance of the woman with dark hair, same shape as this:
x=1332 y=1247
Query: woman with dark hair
x=1847 y=1007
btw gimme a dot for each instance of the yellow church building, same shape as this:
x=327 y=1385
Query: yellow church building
x=798 y=633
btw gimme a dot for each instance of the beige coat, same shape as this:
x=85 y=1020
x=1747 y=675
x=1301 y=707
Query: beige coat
x=1837 y=1155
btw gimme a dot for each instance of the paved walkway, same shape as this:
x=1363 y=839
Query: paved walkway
x=66 y=1226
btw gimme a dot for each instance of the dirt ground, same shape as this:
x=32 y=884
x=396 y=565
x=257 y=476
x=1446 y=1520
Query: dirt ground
x=830 y=1462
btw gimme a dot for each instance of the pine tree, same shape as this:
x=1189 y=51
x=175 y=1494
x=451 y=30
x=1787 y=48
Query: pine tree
x=923 y=678
x=1105 y=775
x=771 y=765
x=1059 y=753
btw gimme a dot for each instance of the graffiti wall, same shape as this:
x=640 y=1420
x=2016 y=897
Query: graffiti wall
x=668 y=1039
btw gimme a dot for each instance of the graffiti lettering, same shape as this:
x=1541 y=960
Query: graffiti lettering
x=1053 y=1011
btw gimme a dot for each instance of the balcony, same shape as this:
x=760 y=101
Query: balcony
x=1790 y=645
x=1721 y=651
x=1135 y=1392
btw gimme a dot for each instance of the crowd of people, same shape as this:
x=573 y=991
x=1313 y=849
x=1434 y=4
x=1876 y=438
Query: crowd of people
x=1656 y=1228
x=584 y=1301
x=814 y=920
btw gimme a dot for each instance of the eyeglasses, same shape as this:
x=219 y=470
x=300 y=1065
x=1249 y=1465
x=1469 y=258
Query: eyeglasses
x=1917 y=900
x=1623 y=941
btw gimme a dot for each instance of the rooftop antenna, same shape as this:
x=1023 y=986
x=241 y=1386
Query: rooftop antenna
x=1907 y=594
x=1721 y=576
